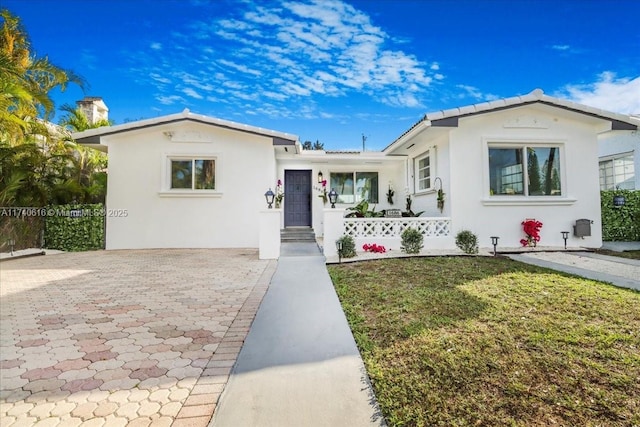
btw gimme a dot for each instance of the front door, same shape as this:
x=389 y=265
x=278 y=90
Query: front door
x=297 y=198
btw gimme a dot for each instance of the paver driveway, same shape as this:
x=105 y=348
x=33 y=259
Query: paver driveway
x=143 y=337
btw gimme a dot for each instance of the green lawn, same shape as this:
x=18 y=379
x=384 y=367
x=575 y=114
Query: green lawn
x=461 y=341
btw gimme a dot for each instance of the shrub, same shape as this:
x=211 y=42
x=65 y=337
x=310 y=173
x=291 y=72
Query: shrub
x=348 y=246
x=467 y=242
x=411 y=241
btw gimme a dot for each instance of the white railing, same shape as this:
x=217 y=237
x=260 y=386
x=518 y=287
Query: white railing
x=369 y=228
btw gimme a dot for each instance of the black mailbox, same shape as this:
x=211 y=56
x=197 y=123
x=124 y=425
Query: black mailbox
x=582 y=228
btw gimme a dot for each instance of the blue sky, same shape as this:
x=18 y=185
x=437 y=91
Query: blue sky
x=333 y=70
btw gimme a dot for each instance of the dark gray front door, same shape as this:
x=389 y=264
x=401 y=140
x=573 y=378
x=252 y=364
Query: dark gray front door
x=297 y=198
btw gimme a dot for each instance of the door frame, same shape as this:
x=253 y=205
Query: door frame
x=310 y=205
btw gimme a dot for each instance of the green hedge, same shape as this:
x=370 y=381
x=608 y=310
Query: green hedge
x=620 y=223
x=74 y=227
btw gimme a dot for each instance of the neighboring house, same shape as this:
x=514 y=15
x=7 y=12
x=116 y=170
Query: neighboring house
x=187 y=180
x=619 y=154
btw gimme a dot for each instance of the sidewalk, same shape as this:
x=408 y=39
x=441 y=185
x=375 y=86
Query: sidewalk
x=299 y=365
x=618 y=271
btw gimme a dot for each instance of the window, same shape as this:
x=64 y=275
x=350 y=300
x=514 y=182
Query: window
x=525 y=171
x=617 y=172
x=193 y=174
x=423 y=172
x=353 y=187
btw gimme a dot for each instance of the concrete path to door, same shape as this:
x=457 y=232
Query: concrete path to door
x=299 y=365
x=123 y=338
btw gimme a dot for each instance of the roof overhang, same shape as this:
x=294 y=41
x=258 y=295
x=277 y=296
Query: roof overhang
x=94 y=137
x=447 y=119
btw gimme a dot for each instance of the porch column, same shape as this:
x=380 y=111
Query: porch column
x=270 y=234
x=333 y=230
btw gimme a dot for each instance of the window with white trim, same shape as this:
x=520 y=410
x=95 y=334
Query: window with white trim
x=617 y=172
x=525 y=170
x=423 y=172
x=192 y=174
x=353 y=187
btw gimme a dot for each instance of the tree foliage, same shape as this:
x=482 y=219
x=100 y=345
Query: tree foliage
x=308 y=145
x=39 y=162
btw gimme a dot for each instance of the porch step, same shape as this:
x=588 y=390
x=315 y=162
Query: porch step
x=297 y=235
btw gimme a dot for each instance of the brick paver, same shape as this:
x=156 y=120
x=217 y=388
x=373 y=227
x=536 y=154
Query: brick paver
x=115 y=338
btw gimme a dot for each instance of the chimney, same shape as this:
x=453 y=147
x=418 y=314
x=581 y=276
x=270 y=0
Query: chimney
x=94 y=108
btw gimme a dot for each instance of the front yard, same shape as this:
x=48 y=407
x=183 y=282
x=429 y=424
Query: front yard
x=456 y=341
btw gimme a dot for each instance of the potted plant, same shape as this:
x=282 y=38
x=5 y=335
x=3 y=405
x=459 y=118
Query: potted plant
x=279 y=194
x=440 y=200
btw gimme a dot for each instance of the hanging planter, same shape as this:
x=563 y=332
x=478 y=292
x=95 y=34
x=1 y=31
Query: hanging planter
x=440 y=197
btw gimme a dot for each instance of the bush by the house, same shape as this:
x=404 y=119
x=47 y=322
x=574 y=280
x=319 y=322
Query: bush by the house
x=348 y=246
x=467 y=242
x=411 y=242
x=620 y=223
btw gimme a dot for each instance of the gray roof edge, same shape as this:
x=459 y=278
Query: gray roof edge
x=619 y=121
x=186 y=115
x=536 y=95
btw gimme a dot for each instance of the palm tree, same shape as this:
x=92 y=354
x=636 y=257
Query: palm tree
x=88 y=166
x=26 y=82
x=33 y=158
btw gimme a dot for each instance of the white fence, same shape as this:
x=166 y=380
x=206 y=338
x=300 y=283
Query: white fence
x=368 y=228
x=384 y=231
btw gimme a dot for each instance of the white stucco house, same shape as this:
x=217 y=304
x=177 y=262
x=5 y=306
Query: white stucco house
x=192 y=181
x=619 y=154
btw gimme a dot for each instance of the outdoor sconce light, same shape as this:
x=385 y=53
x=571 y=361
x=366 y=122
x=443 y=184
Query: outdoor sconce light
x=565 y=236
x=269 y=195
x=320 y=177
x=12 y=243
x=494 y=242
x=618 y=201
x=339 y=248
x=333 y=197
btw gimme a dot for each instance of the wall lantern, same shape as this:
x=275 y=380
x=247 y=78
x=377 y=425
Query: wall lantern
x=618 y=201
x=339 y=248
x=333 y=197
x=565 y=236
x=269 y=195
x=494 y=242
x=320 y=177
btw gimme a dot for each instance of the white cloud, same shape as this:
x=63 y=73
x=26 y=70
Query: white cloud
x=561 y=47
x=285 y=53
x=192 y=93
x=169 y=100
x=608 y=92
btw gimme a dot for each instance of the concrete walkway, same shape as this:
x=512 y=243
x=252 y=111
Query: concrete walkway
x=299 y=365
x=618 y=271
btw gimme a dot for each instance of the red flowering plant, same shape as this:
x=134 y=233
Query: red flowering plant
x=279 y=194
x=531 y=228
x=378 y=249
x=323 y=191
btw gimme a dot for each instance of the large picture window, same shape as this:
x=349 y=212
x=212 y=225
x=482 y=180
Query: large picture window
x=618 y=172
x=193 y=174
x=353 y=187
x=525 y=171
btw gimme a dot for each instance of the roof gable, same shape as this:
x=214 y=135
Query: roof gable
x=94 y=136
x=450 y=118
